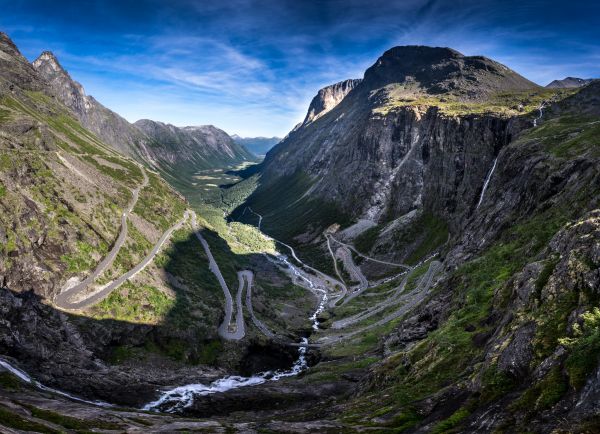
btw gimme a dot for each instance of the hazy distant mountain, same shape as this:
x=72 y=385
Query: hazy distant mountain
x=569 y=82
x=193 y=148
x=257 y=145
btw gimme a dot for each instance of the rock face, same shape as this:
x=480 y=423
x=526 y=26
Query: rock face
x=327 y=98
x=15 y=70
x=106 y=124
x=569 y=82
x=380 y=146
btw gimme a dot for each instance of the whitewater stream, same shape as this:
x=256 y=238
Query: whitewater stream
x=174 y=400
x=182 y=397
x=23 y=376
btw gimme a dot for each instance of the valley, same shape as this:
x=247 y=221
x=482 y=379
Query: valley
x=420 y=254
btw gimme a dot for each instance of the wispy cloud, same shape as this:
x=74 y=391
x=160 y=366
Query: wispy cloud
x=252 y=66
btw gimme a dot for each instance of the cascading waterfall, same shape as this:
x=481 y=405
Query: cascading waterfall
x=541 y=110
x=183 y=397
x=487 y=181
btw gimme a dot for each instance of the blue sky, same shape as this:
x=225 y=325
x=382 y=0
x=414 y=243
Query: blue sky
x=252 y=66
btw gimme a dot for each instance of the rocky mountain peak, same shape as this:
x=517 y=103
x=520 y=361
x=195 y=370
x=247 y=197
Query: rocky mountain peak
x=329 y=97
x=70 y=92
x=48 y=59
x=14 y=67
x=438 y=70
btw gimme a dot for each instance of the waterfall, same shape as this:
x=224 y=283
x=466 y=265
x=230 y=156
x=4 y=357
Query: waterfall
x=487 y=181
x=541 y=110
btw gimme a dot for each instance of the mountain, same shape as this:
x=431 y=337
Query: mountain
x=487 y=184
x=192 y=148
x=569 y=82
x=395 y=118
x=257 y=145
x=105 y=289
x=70 y=204
x=164 y=147
x=327 y=98
x=439 y=268
x=106 y=124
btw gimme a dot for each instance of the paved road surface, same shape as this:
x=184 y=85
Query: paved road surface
x=224 y=328
x=62 y=299
x=413 y=299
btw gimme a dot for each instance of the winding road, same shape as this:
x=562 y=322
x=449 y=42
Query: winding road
x=62 y=300
x=226 y=329
x=411 y=300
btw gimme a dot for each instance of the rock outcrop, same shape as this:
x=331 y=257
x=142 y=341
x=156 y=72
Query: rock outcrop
x=328 y=97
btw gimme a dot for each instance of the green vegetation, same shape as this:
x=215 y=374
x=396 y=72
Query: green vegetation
x=5 y=115
x=568 y=136
x=158 y=204
x=441 y=358
x=81 y=259
x=545 y=393
x=129 y=174
x=290 y=212
x=11 y=419
x=508 y=103
x=139 y=304
x=584 y=348
x=71 y=422
x=365 y=241
x=422 y=236
x=9 y=382
x=447 y=424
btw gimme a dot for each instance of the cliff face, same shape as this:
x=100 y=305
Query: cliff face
x=414 y=134
x=327 y=98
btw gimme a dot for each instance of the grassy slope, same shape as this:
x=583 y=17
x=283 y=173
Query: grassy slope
x=80 y=220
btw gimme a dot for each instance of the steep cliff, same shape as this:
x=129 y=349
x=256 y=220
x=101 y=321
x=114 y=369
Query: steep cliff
x=420 y=131
x=327 y=98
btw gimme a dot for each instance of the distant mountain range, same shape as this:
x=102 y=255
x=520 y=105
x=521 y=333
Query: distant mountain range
x=257 y=145
x=569 y=82
x=166 y=147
